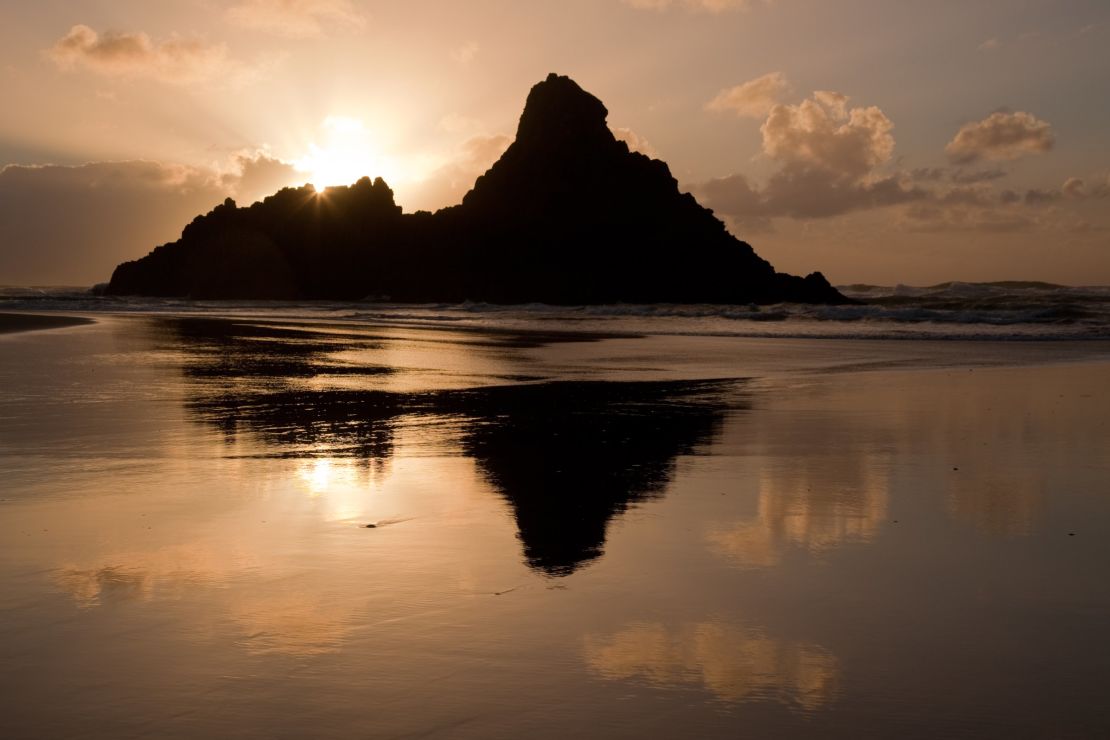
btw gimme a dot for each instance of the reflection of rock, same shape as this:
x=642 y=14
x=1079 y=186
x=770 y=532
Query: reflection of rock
x=567 y=456
x=737 y=664
x=570 y=456
x=248 y=377
x=817 y=505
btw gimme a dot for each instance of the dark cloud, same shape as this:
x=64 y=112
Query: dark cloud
x=258 y=175
x=1038 y=197
x=960 y=176
x=965 y=177
x=930 y=217
x=72 y=225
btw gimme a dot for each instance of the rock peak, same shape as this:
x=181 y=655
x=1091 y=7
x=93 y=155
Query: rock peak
x=559 y=108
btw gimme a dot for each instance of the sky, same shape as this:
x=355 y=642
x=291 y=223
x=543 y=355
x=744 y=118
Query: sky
x=878 y=141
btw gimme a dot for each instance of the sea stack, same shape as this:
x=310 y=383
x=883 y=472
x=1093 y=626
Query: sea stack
x=568 y=215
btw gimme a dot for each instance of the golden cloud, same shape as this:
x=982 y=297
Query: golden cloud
x=752 y=99
x=1001 y=136
x=175 y=60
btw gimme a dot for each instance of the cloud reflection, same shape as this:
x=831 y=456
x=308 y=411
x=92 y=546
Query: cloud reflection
x=737 y=664
x=815 y=506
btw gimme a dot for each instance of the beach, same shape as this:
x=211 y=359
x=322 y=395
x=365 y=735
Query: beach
x=262 y=525
x=11 y=323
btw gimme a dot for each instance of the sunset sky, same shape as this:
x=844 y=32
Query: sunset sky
x=879 y=141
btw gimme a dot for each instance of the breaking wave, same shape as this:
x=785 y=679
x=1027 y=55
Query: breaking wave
x=955 y=310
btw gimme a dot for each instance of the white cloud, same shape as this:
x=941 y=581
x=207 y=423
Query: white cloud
x=635 y=142
x=296 y=18
x=136 y=55
x=823 y=133
x=752 y=99
x=1001 y=136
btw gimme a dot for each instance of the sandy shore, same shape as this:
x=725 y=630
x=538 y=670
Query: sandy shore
x=11 y=323
x=868 y=539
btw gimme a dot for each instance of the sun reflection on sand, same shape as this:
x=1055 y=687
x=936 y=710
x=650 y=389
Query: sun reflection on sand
x=342 y=487
x=735 y=663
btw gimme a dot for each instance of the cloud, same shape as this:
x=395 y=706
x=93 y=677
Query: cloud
x=830 y=158
x=466 y=53
x=256 y=175
x=175 y=60
x=1079 y=189
x=930 y=217
x=990 y=45
x=1075 y=187
x=66 y=225
x=295 y=18
x=448 y=184
x=752 y=99
x=959 y=176
x=706 y=6
x=635 y=142
x=965 y=177
x=1001 y=136
x=833 y=159
x=1037 y=197
x=822 y=133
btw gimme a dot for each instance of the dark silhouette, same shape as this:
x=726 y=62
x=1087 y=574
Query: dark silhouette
x=566 y=456
x=568 y=215
x=569 y=456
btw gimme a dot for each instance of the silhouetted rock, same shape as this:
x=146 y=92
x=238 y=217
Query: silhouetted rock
x=567 y=215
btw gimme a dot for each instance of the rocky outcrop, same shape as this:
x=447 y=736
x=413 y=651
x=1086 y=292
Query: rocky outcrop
x=567 y=215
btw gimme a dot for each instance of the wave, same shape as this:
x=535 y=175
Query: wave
x=952 y=310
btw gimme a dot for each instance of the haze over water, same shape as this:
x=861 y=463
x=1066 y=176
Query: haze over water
x=597 y=530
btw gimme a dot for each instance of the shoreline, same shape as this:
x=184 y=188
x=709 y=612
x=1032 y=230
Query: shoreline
x=15 y=323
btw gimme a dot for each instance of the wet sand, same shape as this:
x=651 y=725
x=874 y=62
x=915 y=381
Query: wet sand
x=11 y=323
x=621 y=537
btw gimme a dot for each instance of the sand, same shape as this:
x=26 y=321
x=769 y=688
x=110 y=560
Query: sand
x=11 y=323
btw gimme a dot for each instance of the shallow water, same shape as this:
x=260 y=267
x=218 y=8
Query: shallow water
x=611 y=534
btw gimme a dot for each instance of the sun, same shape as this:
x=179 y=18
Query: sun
x=347 y=152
